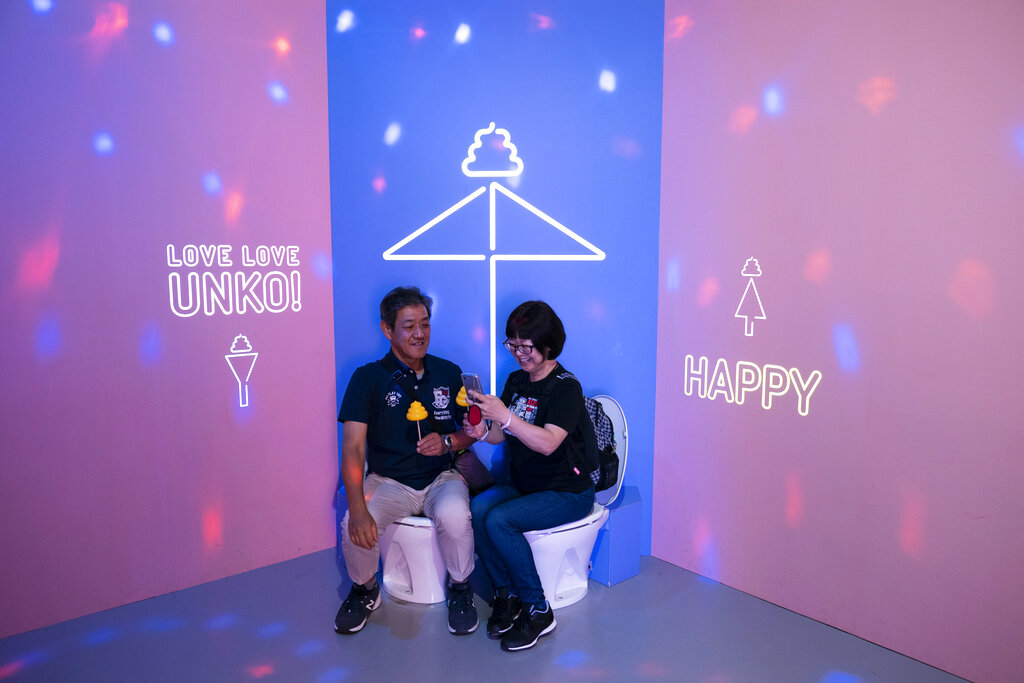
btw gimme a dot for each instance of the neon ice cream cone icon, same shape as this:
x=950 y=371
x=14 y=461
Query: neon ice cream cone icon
x=241 y=360
x=416 y=413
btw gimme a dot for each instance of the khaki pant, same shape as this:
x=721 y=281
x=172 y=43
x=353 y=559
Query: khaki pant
x=445 y=500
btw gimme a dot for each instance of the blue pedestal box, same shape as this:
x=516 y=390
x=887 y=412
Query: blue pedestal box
x=616 y=555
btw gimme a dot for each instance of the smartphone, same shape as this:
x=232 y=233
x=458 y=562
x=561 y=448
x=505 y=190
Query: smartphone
x=472 y=383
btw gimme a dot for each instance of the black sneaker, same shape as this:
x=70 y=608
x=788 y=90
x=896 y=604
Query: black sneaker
x=356 y=609
x=462 y=617
x=503 y=613
x=528 y=628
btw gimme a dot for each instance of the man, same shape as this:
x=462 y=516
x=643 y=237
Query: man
x=406 y=474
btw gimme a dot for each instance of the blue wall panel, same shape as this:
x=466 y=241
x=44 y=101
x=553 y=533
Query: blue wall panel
x=577 y=88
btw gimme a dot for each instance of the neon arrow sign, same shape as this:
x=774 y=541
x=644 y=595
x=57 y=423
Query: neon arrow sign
x=468 y=168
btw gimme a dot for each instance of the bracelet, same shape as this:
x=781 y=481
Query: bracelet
x=508 y=421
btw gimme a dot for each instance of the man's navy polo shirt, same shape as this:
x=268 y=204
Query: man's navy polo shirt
x=375 y=398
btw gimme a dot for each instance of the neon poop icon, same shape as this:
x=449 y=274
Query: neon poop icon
x=241 y=360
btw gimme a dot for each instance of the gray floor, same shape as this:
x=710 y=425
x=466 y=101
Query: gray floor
x=276 y=624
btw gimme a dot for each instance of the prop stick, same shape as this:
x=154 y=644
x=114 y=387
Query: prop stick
x=416 y=413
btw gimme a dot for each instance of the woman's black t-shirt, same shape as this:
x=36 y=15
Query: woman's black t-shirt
x=557 y=399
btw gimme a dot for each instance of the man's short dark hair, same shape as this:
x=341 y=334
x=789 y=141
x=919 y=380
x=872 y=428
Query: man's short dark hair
x=400 y=297
x=536 y=321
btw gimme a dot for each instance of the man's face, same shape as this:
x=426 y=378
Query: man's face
x=410 y=336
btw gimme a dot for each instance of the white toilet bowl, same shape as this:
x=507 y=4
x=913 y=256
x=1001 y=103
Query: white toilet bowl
x=562 y=557
x=413 y=568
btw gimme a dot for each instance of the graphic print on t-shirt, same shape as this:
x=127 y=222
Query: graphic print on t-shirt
x=524 y=408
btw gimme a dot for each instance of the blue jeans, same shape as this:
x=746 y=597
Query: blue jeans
x=500 y=516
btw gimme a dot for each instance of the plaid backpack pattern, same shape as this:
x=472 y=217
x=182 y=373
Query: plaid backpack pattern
x=606 y=472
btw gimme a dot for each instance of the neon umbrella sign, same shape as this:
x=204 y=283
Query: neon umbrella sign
x=469 y=168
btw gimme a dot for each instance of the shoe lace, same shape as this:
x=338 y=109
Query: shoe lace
x=357 y=599
x=461 y=599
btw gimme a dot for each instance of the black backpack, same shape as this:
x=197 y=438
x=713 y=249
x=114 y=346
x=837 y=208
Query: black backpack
x=601 y=461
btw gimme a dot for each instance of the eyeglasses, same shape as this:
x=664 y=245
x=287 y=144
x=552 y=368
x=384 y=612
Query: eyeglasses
x=524 y=349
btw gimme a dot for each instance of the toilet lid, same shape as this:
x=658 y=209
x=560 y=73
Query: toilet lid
x=614 y=412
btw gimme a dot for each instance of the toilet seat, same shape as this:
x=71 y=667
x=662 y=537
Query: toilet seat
x=591 y=517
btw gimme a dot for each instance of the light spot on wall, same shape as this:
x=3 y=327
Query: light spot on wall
x=151 y=344
x=672 y=275
x=39 y=262
x=346 y=20
x=606 y=81
x=110 y=21
x=773 y=102
x=49 y=337
x=163 y=33
x=626 y=147
x=392 y=134
x=707 y=291
x=233 y=203
x=705 y=549
x=213 y=528
x=741 y=119
x=845 y=346
x=914 y=511
x=212 y=183
x=541 y=22
x=277 y=92
x=973 y=288
x=678 y=26
x=875 y=92
x=818 y=266
x=794 y=500
x=462 y=34
x=103 y=143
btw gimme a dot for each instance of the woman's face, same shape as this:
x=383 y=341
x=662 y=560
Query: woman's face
x=526 y=354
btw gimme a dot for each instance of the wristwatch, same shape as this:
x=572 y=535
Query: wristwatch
x=449 y=442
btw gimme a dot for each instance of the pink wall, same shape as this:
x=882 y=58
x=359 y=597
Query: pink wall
x=870 y=156
x=130 y=467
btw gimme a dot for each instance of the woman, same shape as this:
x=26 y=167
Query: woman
x=542 y=416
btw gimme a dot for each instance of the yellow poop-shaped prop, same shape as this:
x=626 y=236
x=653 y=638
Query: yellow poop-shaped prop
x=461 y=398
x=416 y=413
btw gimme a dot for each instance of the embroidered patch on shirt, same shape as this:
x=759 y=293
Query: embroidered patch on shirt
x=393 y=398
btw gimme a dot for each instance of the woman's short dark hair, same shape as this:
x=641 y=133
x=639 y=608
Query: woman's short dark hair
x=536 y=321
x=400 y=297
